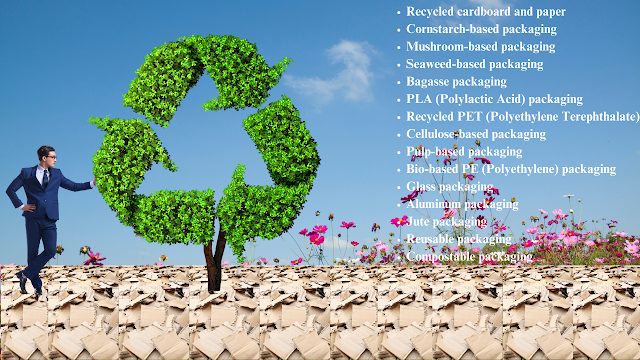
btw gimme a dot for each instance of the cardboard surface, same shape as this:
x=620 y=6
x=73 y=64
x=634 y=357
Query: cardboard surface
x=534 y=315
x=621 y=346
x=311 y=346
x=221 y=314
x=463 y=315
x=536 y=312
x=555 y=346
x=100 y=346
x=170 y=346
x=484 y=346
x=33 y=314
x=241 y=347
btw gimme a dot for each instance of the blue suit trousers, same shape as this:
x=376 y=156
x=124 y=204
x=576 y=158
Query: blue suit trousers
x=37 y=229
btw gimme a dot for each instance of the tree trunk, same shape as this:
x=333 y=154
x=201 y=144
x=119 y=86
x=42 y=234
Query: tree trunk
x=208 y=257
x=214 y=263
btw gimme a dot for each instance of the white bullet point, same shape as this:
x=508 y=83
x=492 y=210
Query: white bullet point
x=398 y=47
x=398 y=170
x=398 y=65
x=398 y=117
x=398 y=205
x=398 y=136
x=398 y=152
x=398 y=100
x=398 y=82
x=398 y=187
x=398 y=12
x=398 y=30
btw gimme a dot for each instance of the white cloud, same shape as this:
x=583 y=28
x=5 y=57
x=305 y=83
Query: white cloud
x=353 y=83
x=335 y=243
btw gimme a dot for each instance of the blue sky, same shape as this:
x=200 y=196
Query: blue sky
x=65 y=62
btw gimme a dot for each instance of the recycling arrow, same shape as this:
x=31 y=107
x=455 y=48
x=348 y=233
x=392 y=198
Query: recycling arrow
x=130 y=147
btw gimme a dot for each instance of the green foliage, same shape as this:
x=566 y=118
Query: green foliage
x=240 y=73
x=292 y=160
x=176 y=216
x=130 y=147
x=128 y=150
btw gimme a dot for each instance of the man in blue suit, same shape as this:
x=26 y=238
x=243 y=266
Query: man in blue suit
x=41 y=184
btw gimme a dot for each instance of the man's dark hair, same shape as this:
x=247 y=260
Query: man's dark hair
x=44 y=151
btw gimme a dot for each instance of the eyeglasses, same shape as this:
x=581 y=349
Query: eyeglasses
x=53 y=157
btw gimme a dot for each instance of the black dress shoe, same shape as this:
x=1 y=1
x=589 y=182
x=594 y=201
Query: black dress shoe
x=38 y=292
x=23 y=282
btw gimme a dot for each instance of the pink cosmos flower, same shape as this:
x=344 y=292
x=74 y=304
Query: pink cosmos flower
x=632 y=248
x=449 y=213
x=358 y=253
x=400 y=222
x=303 y=232
x=527 y=243
x=483 y=160
x=589 y=243
x=94 y=259
x=481 y=222
x=532 y=230
x=347 y=224
x=621 y=234
x=557 y=212
x=296 y=262
x=320 y=229
x=316 y=239
x=475 y=250
x=410 y=197
x=570 y=240
x=226 y=262
x=355 y=243
x=599 y=260
x=448 y=161
x=455 y=249
x=542 y=211
x=491 y=190
x=263 y=260
x=245 y=264
x=380 y=246
x=500 y=227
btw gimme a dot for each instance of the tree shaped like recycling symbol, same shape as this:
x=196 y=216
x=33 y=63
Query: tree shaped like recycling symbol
x=130 y=147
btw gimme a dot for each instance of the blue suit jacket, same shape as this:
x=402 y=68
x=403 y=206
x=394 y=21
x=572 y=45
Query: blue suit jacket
x=46 y=201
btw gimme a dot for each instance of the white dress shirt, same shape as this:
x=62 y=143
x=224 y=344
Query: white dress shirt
x=40 y=177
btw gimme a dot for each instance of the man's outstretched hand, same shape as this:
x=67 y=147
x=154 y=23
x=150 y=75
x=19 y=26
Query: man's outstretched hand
x=29 y=207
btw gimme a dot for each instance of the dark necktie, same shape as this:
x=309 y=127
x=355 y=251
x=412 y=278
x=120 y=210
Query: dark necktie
x=45 y=179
